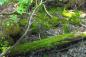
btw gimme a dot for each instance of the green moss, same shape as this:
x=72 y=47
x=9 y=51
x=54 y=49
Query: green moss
x=1 y=34
x=67 y=13
x=12 y=30
x=60 y=16
x=10 y=27
x=44 y=43
x=75 y=19
x=66 y=28
x=23 y=22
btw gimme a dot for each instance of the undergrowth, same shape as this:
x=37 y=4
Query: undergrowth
x=42 y=22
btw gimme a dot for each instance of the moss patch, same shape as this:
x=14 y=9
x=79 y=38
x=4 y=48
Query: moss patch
x=46 y=43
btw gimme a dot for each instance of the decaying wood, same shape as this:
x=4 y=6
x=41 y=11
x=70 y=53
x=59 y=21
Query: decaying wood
x=47 y=43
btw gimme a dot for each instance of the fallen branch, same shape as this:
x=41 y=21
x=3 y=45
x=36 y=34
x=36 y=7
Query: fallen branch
x=46 y=43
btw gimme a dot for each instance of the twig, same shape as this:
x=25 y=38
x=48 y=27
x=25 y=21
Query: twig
x=36 y=2
x=47 y=11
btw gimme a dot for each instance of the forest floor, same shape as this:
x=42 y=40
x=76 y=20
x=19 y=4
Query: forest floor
x=73 y=49
x=76 y=49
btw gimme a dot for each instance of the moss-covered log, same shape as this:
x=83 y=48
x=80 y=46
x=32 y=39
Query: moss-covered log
x=46 y=43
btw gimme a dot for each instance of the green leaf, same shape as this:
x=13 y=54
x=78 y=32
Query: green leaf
x=23 y=6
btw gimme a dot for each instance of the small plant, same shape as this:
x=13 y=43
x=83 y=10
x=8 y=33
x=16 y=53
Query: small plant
x=23 y=6
x=4 y=44
x=73 y=17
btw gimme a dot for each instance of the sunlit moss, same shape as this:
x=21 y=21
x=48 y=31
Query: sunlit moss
x=68 y=13
x=46 y=43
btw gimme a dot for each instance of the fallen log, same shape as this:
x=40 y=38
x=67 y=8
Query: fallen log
x=46 y=43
